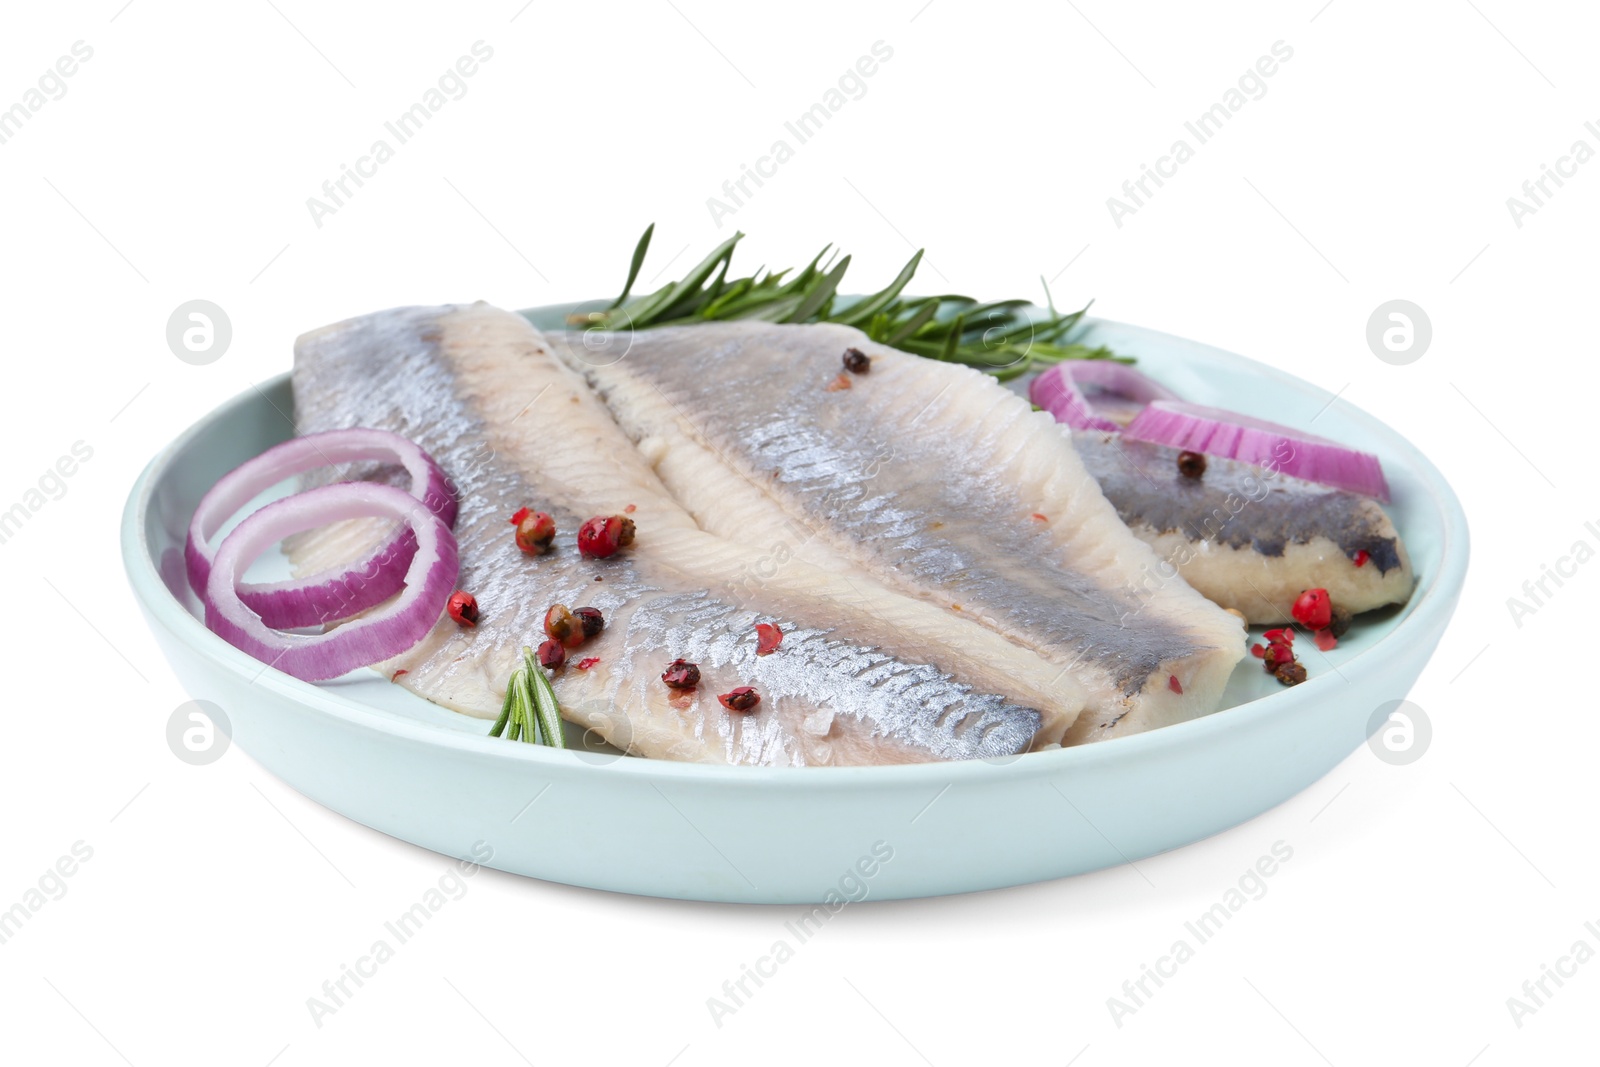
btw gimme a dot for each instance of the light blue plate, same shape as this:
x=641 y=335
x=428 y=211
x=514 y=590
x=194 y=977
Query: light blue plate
x=390 y=760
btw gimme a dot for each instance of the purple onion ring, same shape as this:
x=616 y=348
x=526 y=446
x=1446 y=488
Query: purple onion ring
x=385 y=632
x=336 y=593
x=1059 y=390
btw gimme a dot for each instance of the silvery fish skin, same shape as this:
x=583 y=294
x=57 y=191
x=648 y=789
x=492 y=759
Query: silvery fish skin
x=928 y=476
x=477 y=388
x=1250 y=538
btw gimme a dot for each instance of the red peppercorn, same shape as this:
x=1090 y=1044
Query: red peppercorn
x=1192 y=464
x=463 y=608
x=590 y=619
x=768 y=638
x=552 y=654
x=536 y=531
x=562 y=625
x=1283 y=636
x=1361 y=557
x=587 y=662
x=741 y=699
x=1339 y=623
x=681 y=674
x=1325 y=640
x=1290 y=673
x=604 y=535
x=1174 y=685
x=1313 y=609
x=1258 y=650
x=1276 y=656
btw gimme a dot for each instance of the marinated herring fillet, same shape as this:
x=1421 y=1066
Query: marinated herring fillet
x=931 y=477
x=862 y=676
x=1249 y=538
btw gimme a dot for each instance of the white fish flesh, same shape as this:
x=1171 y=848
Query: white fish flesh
x=862 y=676
x=930 y=477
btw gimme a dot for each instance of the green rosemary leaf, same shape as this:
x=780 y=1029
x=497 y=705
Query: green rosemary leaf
x=742 y=300
x=917 y=346
x=911 y=324
x=715 y=288
x=935 y=331
x=633 y=268
x=1006 y=374
x=514 y=692
x=505 y=713
x=948 y=353
x=1002 y=309
x=1054 y=353
x=1010 y=362
x=1025 y=331
x=781 y=309
x=530 y=721
x=662 y=303
x=735 y=291
x=821 y=293
x=807 y=273
x=952 y=299
x=868 y=307
x=542 y=696
x=1061 y=325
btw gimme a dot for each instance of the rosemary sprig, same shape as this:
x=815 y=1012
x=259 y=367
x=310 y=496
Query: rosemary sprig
x=997 y=336
x=530 y=712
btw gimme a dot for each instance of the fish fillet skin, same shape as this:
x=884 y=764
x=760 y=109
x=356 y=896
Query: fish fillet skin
x=862 y=676
x=932 y=478
x=1249 y=538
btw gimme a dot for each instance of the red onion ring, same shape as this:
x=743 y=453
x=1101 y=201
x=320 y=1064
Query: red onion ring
x=1060 y=391
x=1230 y=435
x=335 y=593
x=386 y=632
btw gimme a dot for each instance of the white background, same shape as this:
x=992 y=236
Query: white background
x=1378 y=164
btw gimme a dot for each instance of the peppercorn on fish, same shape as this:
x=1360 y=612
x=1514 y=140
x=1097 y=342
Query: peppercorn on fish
x=862 y=675
x=932 y=478
x=1249 y=538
